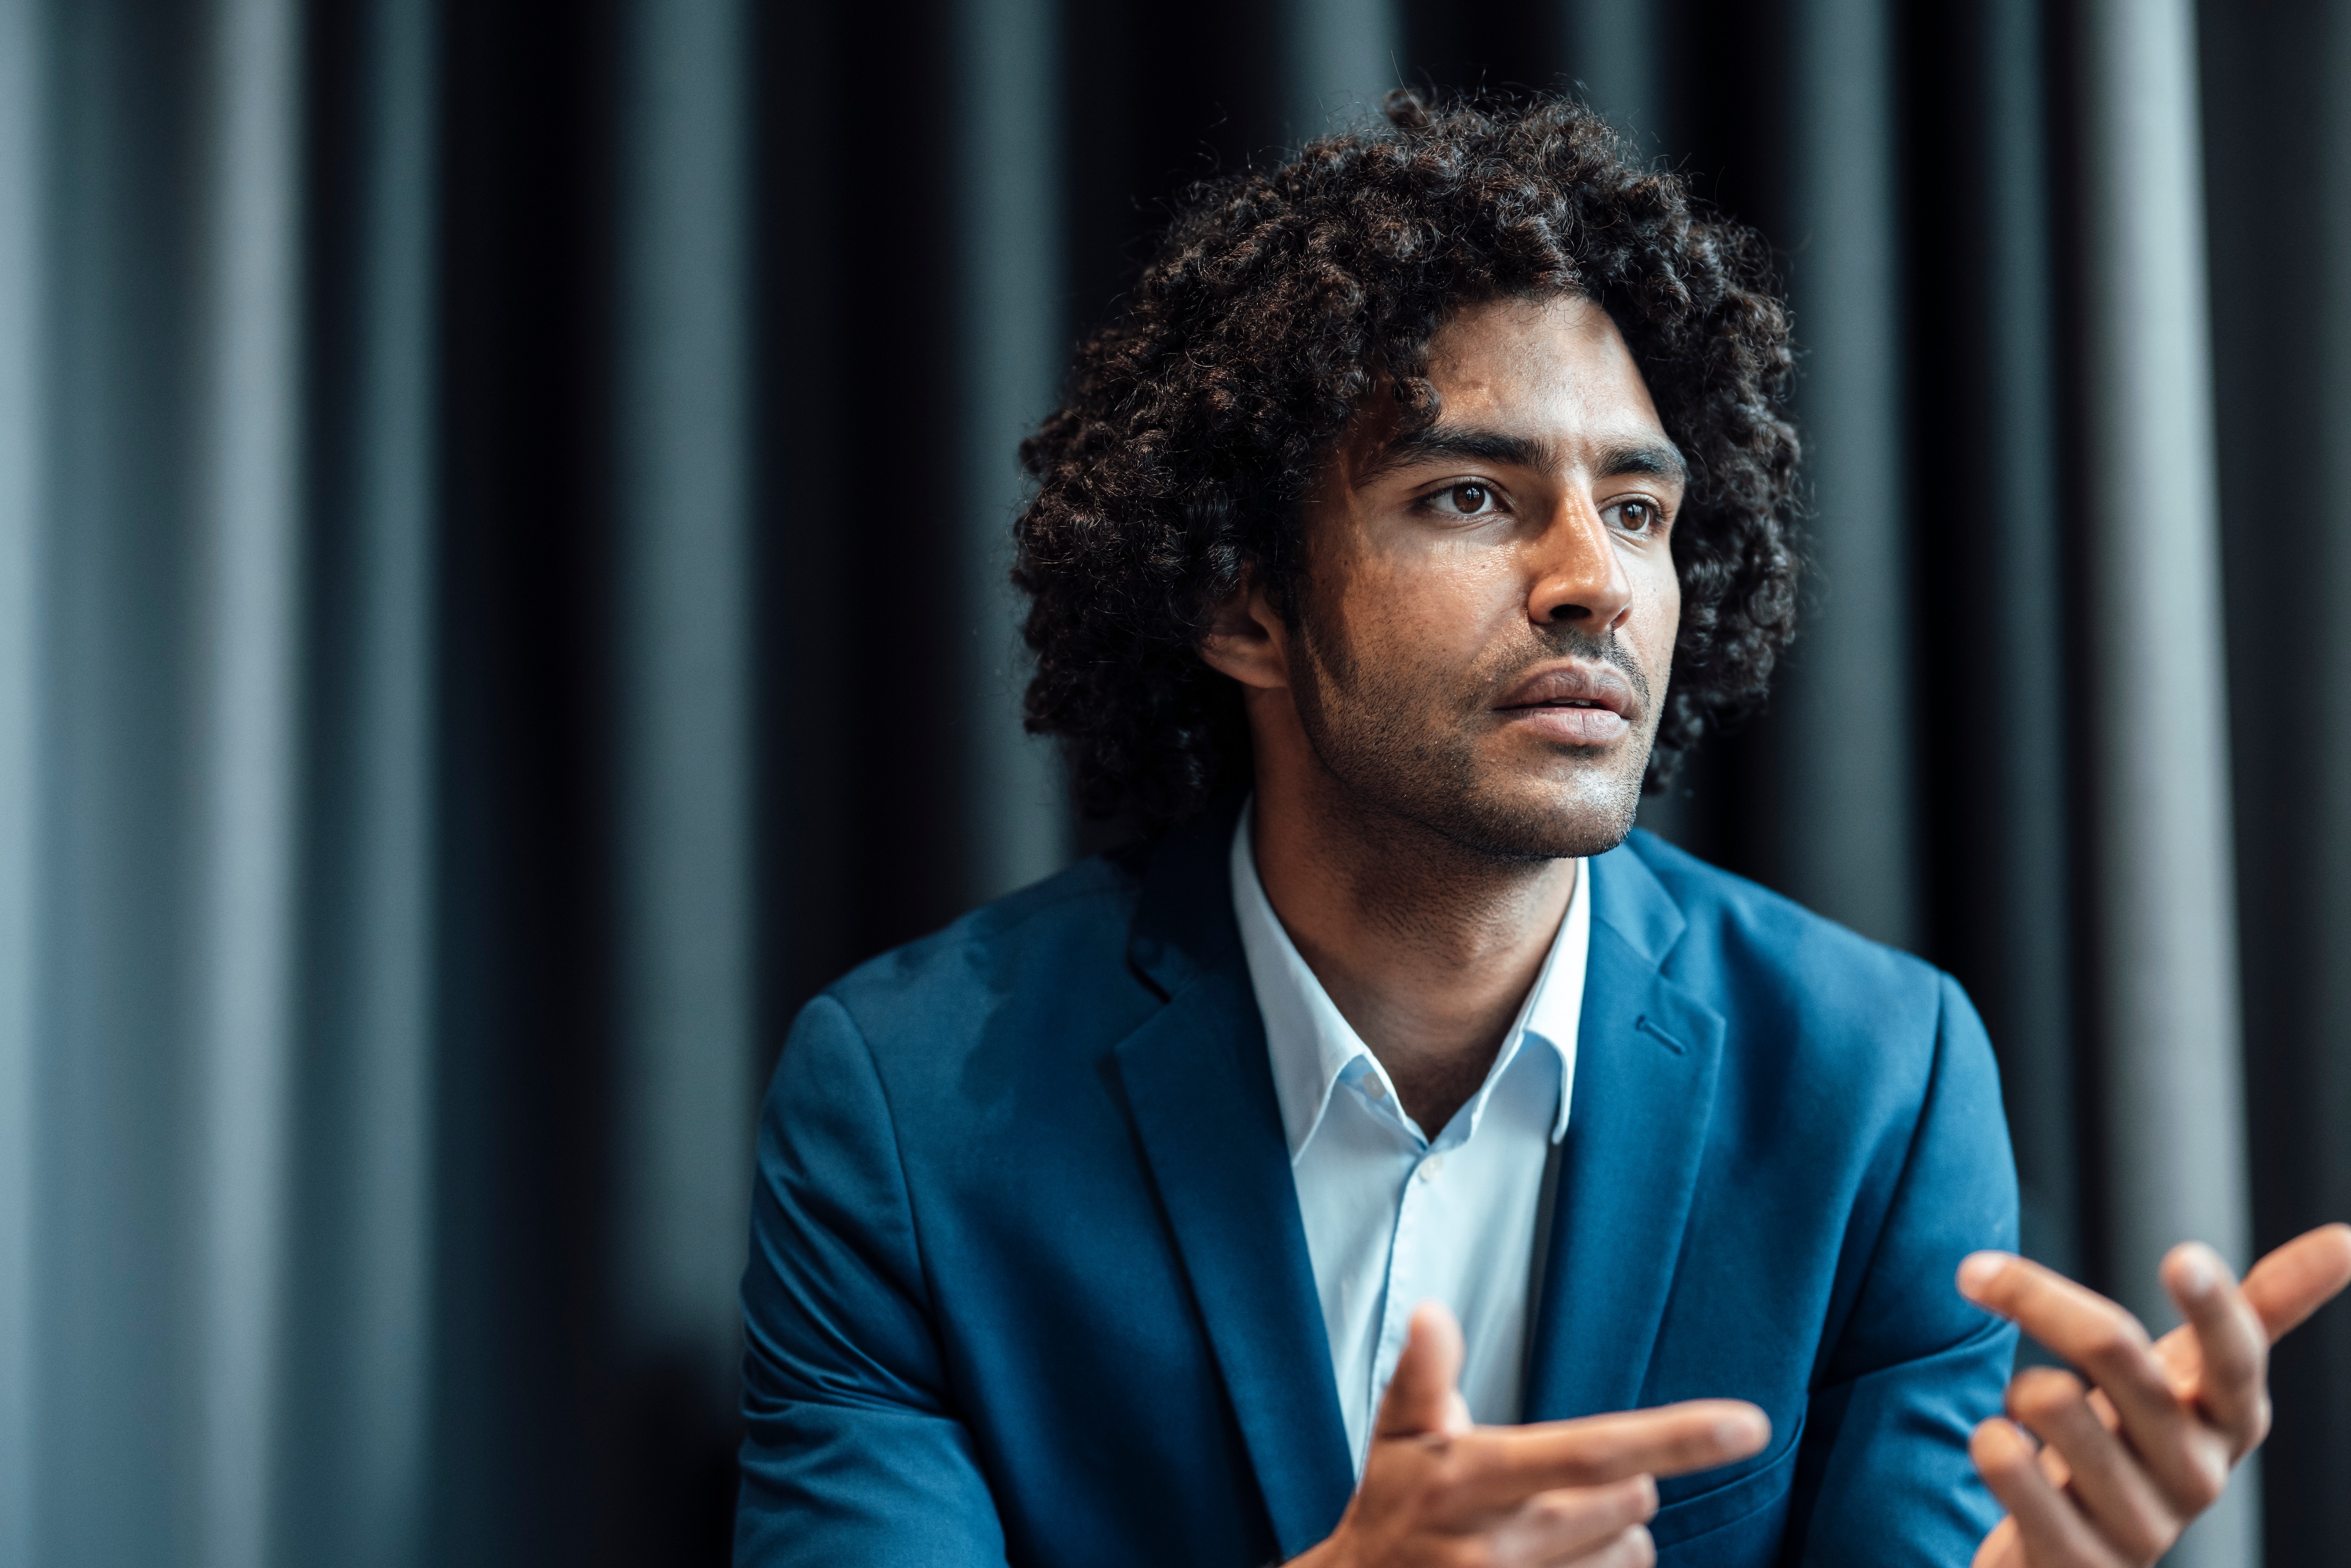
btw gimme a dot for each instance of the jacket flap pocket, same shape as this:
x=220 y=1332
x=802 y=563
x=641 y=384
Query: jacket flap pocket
x=1732 y=1501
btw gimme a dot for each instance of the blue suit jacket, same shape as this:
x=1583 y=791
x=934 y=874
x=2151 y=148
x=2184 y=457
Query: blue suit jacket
x=1028 y=1281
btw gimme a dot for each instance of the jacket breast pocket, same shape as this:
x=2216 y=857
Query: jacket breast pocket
x=1737 y=1523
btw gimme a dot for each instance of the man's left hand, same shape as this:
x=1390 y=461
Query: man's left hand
x=2126 y=1460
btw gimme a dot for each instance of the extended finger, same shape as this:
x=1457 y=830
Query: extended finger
x=2101 y=1339
x=2284 y=1289
x=1422 y=1393
x=2234 y=1348
x=2053 y=1530
x=2299 y=1278
x=2113 y=1490
x=1563 y=1525
x=1497 y=1465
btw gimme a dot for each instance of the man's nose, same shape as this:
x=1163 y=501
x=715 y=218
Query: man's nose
x=1579 y=577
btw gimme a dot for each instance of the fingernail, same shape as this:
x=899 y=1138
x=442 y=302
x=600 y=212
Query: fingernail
x=1979 y=1270
x=1732 y=1431
x=2197 y=1277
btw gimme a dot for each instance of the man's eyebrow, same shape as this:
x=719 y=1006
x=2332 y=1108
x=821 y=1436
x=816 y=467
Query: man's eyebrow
x=1661 y=459
x=1442 y=443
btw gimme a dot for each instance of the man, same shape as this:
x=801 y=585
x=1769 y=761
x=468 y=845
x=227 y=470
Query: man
x=1390 y=1161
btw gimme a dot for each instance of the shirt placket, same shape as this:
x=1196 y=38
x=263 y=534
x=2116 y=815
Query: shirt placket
x=1416 y=1223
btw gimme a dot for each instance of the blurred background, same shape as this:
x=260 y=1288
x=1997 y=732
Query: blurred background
x=502 y=519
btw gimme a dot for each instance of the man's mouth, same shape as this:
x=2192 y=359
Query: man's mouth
x=1574 y=705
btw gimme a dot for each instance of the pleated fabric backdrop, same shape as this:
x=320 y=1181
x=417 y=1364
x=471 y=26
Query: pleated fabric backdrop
x=502 y=526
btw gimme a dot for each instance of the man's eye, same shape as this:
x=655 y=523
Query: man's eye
x=1464 y=500
x=1633 y=517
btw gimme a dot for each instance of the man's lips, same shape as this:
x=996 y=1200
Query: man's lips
x=1577 y=704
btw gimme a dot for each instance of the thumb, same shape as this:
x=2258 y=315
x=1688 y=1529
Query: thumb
x=1422 y=1395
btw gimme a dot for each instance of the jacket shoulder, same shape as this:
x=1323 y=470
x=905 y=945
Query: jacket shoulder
x=1064 y=937
x=1831 y=1003
x=1724 y=909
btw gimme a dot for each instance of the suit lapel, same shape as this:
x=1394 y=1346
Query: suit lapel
x=1201 y=1095
x=1646 y=1065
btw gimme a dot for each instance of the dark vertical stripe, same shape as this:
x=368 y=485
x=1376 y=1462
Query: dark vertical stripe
x=356 y=1488
x=1991 y=525
x=2278 y=182
x=524 y=936
x=115 y=1217
x=1838 y=775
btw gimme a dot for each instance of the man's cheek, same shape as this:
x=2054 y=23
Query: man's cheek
x=1656 y=636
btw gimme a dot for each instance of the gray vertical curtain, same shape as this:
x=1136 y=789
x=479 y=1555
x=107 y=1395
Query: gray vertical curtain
x=502 y=523
x=2169 y=1078
x=1014 y=818
x=158 y=473
x=681 y=644
x=1833 y=818
x=22 y=112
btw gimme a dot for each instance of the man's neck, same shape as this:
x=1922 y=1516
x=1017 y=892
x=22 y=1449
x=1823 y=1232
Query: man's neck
x=1427 y=948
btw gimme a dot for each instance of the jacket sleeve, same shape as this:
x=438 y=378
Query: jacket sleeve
x=1884 y=1476
x=851 y=1451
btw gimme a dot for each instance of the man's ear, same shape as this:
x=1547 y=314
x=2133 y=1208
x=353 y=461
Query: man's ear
x=1246 y=640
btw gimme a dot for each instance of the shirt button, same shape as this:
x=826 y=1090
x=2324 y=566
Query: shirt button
x=1376 y=1089
x=1430 y=1167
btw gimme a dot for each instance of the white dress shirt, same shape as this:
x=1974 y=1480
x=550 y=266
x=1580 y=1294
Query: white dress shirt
x=1393 y=1216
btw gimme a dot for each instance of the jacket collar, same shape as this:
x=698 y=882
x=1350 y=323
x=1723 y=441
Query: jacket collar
x=1200 y=1091
x=1183 y=925
x=1647 y=1059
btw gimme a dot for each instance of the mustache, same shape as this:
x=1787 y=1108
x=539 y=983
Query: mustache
x=1569 y=642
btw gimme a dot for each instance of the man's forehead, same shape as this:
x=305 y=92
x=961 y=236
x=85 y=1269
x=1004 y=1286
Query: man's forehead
x=1560 y=361
x=1532 y=384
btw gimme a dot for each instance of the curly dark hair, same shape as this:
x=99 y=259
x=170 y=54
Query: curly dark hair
x=1280 y=299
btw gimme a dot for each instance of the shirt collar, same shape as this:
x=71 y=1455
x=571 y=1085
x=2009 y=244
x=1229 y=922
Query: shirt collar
x=1313 y=1049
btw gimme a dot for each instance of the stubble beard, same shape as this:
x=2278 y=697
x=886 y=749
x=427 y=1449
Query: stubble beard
x=1393 y=738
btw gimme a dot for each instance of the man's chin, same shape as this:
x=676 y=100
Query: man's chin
x=1548 y=824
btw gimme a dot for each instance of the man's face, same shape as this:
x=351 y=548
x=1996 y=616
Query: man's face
x=1488 y=622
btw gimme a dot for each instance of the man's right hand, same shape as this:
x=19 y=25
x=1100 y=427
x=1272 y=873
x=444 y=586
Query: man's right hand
x=1439 y=1490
